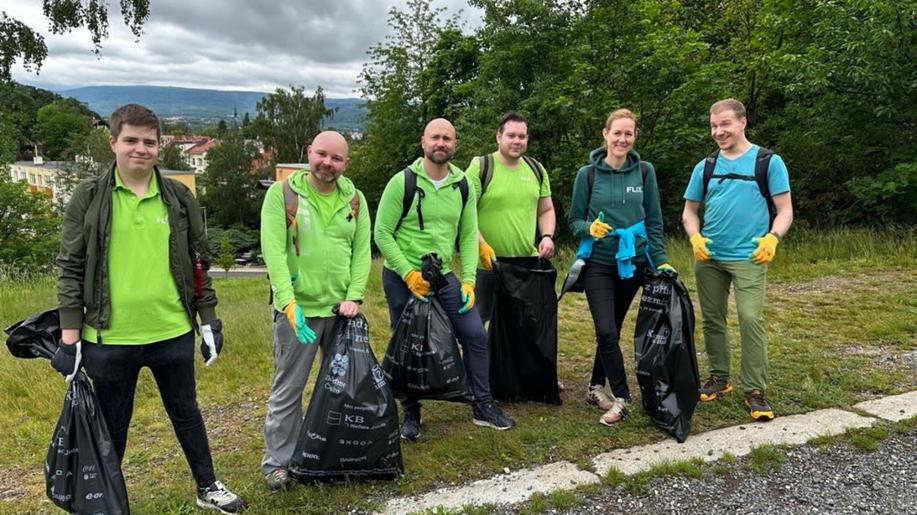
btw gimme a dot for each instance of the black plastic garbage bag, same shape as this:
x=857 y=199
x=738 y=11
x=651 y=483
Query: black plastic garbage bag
x=522 y=338
x=351 y=426
x=664 y=354
x=82 y=471
x=38 y=336
x=423 y=359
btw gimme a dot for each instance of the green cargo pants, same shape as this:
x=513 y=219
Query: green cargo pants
x=713 y=281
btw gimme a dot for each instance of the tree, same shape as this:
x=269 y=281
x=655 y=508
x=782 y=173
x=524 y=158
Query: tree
x=28 y=232
x=287 y=120
x=19 y=41
x=92 y=156
x=226 y=259
x=60 y=124
x=171 y=157
x=228 y=186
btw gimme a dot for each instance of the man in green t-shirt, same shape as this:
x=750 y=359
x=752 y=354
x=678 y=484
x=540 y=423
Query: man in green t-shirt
x=515 y=211
x=319 y=260
x=133 y=277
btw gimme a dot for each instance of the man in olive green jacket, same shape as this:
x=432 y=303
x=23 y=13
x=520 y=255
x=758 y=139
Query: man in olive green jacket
x=318 y=257
x=133 y=262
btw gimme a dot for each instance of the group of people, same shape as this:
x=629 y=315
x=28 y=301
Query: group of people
x=133 y=284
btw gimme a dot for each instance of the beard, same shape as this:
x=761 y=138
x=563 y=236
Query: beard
x=439 y=157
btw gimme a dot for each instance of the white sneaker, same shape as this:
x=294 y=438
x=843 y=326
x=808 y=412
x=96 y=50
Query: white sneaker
x=217 y=497
x=596 y=396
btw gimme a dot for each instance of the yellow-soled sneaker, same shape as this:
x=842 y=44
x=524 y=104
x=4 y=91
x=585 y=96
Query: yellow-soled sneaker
x=713 y=387
x=758 y=407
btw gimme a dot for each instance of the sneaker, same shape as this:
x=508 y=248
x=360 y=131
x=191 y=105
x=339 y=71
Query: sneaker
x=277 y=479
x=758 y=407
x=217 y=497
x=616 y=413
x=713 y=387
x=560 y=386
x=410 y=426
x=596 y=396
x=489 y=415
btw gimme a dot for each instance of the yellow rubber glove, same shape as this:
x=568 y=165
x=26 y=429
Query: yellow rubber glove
x=487 y=255
x=467 y=298
x=599 y=229
x=297 y=321
x=699 y=243
x=767 y=249
x=417 y=284
x=665 y=267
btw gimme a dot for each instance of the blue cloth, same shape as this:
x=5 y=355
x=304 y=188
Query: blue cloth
x=584 y=251
x=627 y=246
x=734 y=210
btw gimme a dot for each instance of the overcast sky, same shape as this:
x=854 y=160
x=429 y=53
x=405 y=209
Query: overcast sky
x=227 y=44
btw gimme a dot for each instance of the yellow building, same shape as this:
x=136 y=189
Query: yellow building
x=186 y=177
x=38 y=174
x=283 y=170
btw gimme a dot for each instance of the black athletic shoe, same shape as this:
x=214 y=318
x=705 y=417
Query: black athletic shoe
x=490 y=415
x=410 y=426
x=713 y=387
x=758 y=407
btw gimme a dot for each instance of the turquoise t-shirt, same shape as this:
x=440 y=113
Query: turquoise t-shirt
x=734 y=210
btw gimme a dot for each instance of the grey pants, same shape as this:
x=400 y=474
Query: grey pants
x=292 y=364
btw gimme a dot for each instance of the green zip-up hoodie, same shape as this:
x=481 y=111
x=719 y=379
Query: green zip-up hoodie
x=625 y=199
x=83 y=292
x=334 y=260
x=444 y=218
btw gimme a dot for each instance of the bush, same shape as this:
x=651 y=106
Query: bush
x=889 y=197
x=241 y=239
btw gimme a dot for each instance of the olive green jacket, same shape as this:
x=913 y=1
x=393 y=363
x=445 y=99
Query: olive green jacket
x=83 y=292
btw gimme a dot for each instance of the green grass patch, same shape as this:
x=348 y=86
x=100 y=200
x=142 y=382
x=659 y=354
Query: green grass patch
x=839 y=307
x=868 y=438
x=765 y=458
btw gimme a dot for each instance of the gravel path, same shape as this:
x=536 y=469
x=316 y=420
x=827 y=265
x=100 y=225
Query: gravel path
x=836 y=479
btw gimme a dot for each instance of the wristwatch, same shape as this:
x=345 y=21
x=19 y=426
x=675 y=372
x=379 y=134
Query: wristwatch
x=543 y=236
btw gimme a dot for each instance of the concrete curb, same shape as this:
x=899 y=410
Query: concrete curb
x=738 y=440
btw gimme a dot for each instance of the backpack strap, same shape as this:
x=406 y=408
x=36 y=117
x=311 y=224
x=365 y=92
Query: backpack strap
x=487 y=168
x=291 y=205
x=762 y=164
x=410 y=189
x=536 y=167
x=709 y=166
x=462 y=185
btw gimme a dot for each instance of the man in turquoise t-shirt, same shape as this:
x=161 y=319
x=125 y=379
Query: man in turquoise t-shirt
x=133 y=278
x=737 y=242
x=512 y=198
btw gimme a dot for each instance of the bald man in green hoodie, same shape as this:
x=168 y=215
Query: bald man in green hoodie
x=316 y=259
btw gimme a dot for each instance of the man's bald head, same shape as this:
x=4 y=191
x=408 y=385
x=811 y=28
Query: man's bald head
x=438 y=141
x=328 y=156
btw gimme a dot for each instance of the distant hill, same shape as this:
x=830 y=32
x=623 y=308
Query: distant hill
x=204 y=105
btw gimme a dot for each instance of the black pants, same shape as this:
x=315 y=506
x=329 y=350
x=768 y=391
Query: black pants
x=114 y=370
x=609 y=298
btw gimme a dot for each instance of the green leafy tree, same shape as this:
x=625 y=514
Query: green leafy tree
x=226 y=259
x=28 y=231
x=19 y=42
x=229 y=189
x=92 y=156
x=60 y=124
x=172 y=158
x=288 y=120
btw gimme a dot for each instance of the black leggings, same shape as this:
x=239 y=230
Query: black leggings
x=609 y=298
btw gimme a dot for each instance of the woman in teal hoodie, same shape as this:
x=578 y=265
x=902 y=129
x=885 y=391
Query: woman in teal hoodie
x=616 y=203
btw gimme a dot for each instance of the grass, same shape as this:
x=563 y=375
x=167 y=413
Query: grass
x=839 y=305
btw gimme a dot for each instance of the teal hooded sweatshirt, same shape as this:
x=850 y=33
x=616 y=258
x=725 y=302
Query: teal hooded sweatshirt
x=334 y=260
x=625 y=199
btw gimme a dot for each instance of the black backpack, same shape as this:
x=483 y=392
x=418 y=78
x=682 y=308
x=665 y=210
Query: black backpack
x=762 y=162
x=411 y=189
x=487 y=168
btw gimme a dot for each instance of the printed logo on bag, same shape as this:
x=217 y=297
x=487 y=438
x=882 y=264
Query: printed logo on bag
x=91 y=496
x=334 y=418
x=310 y=456
x=378 y=377
x=355 y=443
x=315 y=436
x=337 y=371
x=345 y=459
x=354 y=419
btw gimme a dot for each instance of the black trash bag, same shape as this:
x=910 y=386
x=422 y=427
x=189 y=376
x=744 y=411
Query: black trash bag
x=351 y=426
x=423 y=359
x=82 y=470
x=522 y=338
x=38 y=336
x=664 y=354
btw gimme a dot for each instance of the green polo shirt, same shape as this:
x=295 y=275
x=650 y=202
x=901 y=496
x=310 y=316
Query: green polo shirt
x=145 y=305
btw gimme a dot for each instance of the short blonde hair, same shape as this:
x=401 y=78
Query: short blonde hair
x=618 y=114
x=728 y=104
